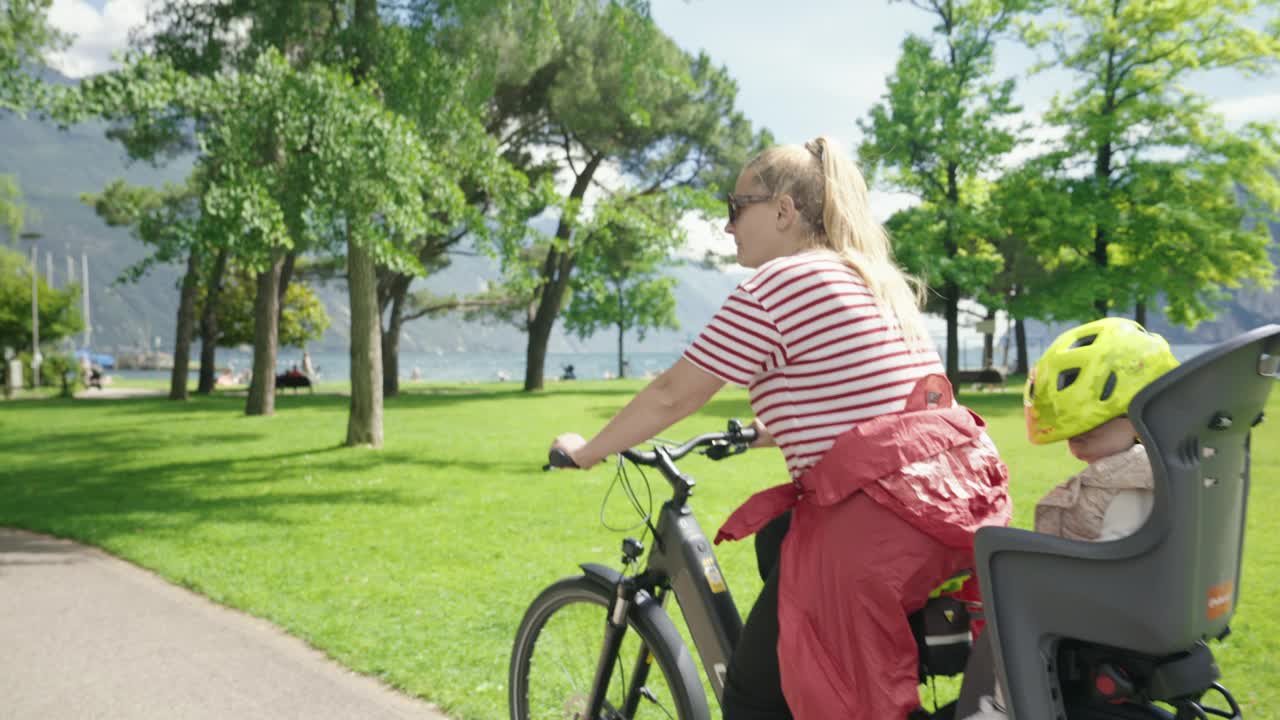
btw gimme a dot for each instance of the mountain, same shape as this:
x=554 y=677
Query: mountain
x=698 y=293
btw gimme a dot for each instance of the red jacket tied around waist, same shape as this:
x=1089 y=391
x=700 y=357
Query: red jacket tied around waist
x=886 y=516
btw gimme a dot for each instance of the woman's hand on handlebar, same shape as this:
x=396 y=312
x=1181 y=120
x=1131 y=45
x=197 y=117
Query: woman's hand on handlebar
x=570 y=444
x=763 y=437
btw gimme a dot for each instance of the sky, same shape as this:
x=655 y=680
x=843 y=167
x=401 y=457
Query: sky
x=803 y=68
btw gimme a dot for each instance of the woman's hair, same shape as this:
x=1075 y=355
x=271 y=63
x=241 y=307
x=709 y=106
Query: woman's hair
x=831 y=196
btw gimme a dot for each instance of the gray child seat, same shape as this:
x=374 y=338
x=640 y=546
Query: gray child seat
x=1133 y=615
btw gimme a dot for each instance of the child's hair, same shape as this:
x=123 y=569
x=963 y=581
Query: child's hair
x=831 y=196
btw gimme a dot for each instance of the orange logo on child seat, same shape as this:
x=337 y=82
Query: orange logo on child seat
x=1220 y=599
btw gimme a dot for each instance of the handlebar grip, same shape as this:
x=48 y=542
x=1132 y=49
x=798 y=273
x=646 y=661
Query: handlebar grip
x=559 y=459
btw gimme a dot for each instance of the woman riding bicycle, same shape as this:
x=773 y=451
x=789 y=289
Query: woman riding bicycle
x=888 y=482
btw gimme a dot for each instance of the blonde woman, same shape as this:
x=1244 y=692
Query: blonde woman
x=828 y=337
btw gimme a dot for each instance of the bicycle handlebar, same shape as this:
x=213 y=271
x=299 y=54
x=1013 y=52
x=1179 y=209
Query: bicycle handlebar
x=732 y=441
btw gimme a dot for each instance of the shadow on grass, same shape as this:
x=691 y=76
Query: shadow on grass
x=410 y=399
x=114 y=482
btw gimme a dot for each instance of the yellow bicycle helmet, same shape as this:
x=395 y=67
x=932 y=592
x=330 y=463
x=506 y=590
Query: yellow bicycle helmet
x=1089 y=375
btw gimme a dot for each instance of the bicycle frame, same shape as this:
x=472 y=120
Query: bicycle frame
x=682 y=560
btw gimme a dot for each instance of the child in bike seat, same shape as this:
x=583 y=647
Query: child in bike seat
x=1079 y=391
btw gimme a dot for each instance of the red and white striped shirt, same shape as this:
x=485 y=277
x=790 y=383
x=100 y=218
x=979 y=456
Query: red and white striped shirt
x=817 y=353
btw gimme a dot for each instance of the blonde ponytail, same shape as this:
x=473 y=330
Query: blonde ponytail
x=831 y=195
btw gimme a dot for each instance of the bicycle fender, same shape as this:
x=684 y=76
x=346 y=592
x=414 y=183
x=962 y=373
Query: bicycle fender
x=602 y=575
x=647 y=612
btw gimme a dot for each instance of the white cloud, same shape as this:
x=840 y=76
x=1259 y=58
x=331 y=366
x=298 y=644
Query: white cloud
x=1238 y=111
x=703 y=234
x=1040 y=137
x=885 y=204
x=97 y=34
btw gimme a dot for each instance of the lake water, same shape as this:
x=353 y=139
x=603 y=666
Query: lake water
x=492 y=366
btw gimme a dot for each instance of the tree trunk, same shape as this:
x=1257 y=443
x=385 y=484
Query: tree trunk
x=951 y=290
x=286 y=276
x=622 y=330
x=951 y=298
x=1100 y=305
x=209 y=325
x=364 y=423
x=539 y=335
x=186 y=328
x=1102 y=171
x=1020 y=331
x=391 y=358
x=266 y=313
x=398 y=290
x=1102 y=176
x=989 y=342
x=555 y=276
x=1140 y=313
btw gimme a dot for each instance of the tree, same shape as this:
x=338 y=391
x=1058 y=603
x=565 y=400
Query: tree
x=171 y=224
x=203 y=39
x=400 y=66
x=1031 y=210
x=599 y=85
x=25 y=35
x=333 y=181
x=12 y=210
x=435 y=88
x=1156 y=170
x=617 y=281
x=944 y=125
x=302 y=316
x=57 y=310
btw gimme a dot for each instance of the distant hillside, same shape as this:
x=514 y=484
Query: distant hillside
x=54 y=167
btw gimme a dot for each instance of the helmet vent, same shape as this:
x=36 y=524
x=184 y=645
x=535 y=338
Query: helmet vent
x=1109 y=387
x=1066 y=377
x=1084 y=341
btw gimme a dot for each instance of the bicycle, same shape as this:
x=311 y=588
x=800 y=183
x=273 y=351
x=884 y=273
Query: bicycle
x=680 y=561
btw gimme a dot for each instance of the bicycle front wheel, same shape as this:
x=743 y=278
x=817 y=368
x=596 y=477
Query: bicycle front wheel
x=558 y=648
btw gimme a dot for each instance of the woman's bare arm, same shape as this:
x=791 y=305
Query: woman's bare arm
x=671 y=397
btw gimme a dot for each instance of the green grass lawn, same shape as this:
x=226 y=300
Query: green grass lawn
x=415 y=563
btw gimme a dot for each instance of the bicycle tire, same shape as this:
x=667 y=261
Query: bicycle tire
x=647 y=623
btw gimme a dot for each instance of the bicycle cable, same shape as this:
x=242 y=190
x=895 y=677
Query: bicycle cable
x=621 y=478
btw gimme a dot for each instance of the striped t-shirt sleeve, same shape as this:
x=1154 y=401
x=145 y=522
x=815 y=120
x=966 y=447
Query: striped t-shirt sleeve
x=739 y=343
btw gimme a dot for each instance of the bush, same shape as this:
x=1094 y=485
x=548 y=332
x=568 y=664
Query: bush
x=61 y=370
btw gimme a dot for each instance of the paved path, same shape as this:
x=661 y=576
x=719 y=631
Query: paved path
x=85 y=635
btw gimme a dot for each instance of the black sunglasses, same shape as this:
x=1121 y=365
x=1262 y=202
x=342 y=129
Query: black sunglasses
x=737 y=202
